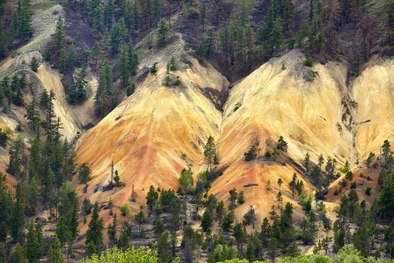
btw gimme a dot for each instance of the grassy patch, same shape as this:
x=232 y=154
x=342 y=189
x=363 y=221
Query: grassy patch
x=44 y=5
x=248 y=3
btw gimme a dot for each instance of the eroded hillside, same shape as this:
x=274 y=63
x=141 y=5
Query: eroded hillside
x=160 y=130
x=156 y=132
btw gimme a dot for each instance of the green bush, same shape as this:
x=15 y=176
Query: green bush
x=116 y=255
x=308 y=62
x=34 y=64
x=368 y=191
x=125 y=209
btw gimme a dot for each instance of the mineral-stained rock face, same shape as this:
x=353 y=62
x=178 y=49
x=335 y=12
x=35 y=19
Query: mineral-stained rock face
x=162 y=129
x=155 y=133
x=374 y=93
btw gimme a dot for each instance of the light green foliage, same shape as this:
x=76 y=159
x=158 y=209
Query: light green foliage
x=223 y=253
x=347 y=254
x=185 y=181
x=241 y=261
x=125 y=209
x=116 y=255
x=245 y=3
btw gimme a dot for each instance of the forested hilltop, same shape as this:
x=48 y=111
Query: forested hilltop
x=196 y=131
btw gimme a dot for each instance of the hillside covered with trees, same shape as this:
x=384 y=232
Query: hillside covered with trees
x=174 y=131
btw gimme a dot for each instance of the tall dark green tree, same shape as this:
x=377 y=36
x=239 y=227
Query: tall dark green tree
x=33 y=243
x=67 y=226
x=18 y=157
x=210 y=152
x=60 y=36
x=18 y=214
x=55 y=252
x=6 y=211
x=106 y=97
x=162 y=32
x=164 y=250
x=94 y=235
x=152 y=198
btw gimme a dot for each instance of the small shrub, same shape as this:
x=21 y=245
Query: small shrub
x=344 y=183
x=268 y=186
x=130 y=89
x=3 y=138
x=368 y=191
x=308 y=62
x=87 y=206
x=153 y=69
x=84 y=173
x=34 y=64
x=282 y=144
x=349 y=175
x=237 y=106
x=125 y=209
x=117 y=178
x=172 y=65
x=345 y=168
x=19 y=128
x=353 y=185
x=251 y=154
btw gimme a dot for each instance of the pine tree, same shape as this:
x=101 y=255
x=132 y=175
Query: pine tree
x=84 y=174
x=265 y=232
x=164 y=250
x=94 y=235
x=206 y=221
x=185 y=181
x=55 y=252
x=19 y=255
x=293 y=184
x=209 y=152
x=118 y=35
x=67 y=227
x=33 y=115
x=152 y=198
x=162 y=32
x=34 y=64
x=33 y=195
x=6 y=211
x=18 y=215
x=240 y=236
x=112 y=228
x=33 y=243
x=3 y=255
x=60 y=36
x=124 y=62
x=106 y=98
x=21 y=20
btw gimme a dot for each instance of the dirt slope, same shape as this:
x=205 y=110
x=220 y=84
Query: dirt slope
x=374 y=93
x=276 y=100
x=160 y=130
x=156 y=132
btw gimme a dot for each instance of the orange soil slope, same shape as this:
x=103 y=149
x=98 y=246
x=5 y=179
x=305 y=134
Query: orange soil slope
x=159 y=130
x=153 y=134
